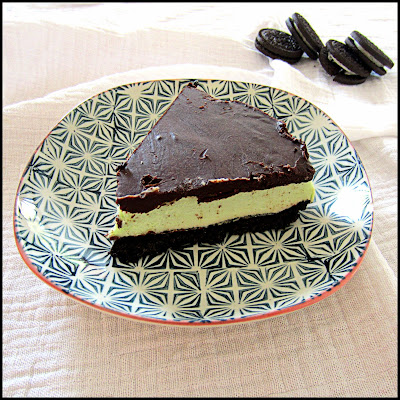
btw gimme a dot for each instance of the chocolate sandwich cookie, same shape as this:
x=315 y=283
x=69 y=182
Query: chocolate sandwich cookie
x=342 y=55
x=305 y=35
x=278 y=45
x=340 y=67
x=369 y=53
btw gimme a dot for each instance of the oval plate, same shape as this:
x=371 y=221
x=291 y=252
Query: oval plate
x=65 y=205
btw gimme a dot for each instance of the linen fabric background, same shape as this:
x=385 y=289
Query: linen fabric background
x=55 y=56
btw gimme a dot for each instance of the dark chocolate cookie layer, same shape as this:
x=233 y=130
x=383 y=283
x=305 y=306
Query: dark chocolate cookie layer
x=211 y=149
x=131 y=249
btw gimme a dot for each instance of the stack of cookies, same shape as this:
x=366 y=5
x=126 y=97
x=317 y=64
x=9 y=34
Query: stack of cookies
x=349 y=63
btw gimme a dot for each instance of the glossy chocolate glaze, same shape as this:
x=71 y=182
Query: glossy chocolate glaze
x=211 y=149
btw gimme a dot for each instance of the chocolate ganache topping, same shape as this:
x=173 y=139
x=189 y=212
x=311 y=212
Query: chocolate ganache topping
x=211 y=149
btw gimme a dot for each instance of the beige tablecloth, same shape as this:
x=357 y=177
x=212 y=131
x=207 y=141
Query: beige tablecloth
x=56 y=55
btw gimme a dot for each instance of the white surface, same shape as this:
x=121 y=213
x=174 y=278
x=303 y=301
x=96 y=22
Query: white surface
x=56 y=55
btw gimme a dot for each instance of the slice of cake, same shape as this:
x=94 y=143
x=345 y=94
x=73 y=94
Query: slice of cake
x=207 y=168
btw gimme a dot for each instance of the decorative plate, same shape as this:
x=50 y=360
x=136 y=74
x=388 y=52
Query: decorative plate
x=65 y=205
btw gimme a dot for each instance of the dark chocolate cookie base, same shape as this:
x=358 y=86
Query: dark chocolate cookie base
x=131 y=249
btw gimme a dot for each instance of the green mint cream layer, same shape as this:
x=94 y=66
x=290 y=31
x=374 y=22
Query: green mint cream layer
x=188 y=213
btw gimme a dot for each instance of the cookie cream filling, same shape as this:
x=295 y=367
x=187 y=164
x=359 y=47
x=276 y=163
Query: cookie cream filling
x=187 y=212
x=347 y=71
x=366 y=54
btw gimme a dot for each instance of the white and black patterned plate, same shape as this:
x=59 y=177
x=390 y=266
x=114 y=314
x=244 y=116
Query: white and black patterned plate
x=66 y=204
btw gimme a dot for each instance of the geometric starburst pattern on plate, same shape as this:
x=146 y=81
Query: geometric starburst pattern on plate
x=65 y=205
